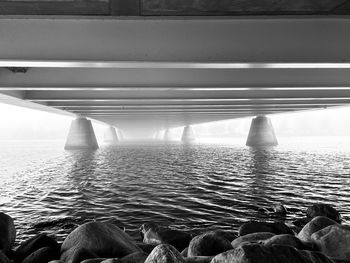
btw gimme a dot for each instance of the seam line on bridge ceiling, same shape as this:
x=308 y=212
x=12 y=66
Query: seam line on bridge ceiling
x=172 y=65
x=170 y=88
x=193 y=100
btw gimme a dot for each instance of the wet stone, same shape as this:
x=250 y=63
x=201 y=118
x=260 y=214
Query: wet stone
x=208 y=244
x=258 y=226
x=323 y=210
x=165 y=253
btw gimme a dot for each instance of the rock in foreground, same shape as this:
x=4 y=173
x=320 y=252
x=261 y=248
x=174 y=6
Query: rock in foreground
x=277 y=228
x=7 y=232
x=313 y=226
x=165 y=253
x=334 y=241
x=153 y=234
x=251 y=238
x=323 y=210
x=103 y=239
x=257 y=253
x=208 y=244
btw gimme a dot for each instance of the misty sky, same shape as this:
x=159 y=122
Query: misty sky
x=24 y=123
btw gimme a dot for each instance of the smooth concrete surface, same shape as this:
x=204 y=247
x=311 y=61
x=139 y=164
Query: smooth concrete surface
x=146 y=73
x=261 y=133
x=110 y=136
x=188 y=134
x=81 y=135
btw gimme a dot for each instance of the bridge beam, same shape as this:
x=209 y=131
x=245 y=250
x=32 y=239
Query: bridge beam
x=81 y=135
x=261 y=133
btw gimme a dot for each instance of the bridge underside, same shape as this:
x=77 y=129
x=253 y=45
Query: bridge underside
x=156 y=72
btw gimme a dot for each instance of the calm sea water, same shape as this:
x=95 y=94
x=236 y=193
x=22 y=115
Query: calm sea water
x=190 y=187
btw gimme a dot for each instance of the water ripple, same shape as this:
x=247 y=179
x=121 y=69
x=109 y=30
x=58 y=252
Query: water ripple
x=193 y=188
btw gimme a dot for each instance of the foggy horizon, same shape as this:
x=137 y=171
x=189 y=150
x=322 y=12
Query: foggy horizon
x=27 y=124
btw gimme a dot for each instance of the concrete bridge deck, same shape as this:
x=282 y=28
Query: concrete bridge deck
x=156 y=72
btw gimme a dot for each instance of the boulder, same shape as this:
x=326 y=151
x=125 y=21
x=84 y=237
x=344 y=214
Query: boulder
x=313 y=226
x=285 y=240
x=165 y=253
x=42 y=255
x=153 y=234
x=77 y=254
x=277 y=228
x=280 y=210
x=229 y=235
x=202 y=259
x=334 y=241
x=251 y=238
x=184 y=252
x=208 y=244
x=137 y=257
x=102 y=239
x=323 y=210
x=7 y=232
x=33 y=244
x=258 y=253
x=3 y=258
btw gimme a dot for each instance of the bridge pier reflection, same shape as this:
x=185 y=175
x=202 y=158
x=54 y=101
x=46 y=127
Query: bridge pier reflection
x=261 y=133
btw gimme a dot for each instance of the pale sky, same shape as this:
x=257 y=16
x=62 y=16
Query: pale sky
x=24 y=123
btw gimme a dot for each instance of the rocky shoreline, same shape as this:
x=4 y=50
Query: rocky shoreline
x=317 y=238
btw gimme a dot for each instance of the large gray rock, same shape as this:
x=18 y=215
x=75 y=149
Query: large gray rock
x=251 y=238
x=323 y=210
x=257 y=253
x=277 y=228
x=153 y=234
x=7 y=232
x=77 y=255
x=33 y=244
x=3 y=258
x=137 y=257
x=42 y=255
x=208 y=244
x=313 y=226
x=102 y=239
x=334 y=241
x=285 y=240
x=229 y=235
x=165 y=253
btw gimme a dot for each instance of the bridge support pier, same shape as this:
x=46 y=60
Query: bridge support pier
x=110 y=136
x=261 y=133
x=166 y=136
x=81 y=135
x=188 y=134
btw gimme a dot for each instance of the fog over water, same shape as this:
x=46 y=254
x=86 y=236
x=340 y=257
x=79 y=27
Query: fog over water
x=23 y=123
x=217 y=182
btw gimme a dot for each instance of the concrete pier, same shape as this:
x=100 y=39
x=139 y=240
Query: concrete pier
x=166 y=136
x=81 y=135
x=110 y=136
x=188 y=134
x=261 y=133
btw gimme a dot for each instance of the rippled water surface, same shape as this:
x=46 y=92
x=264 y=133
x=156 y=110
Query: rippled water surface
x=190 y=187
